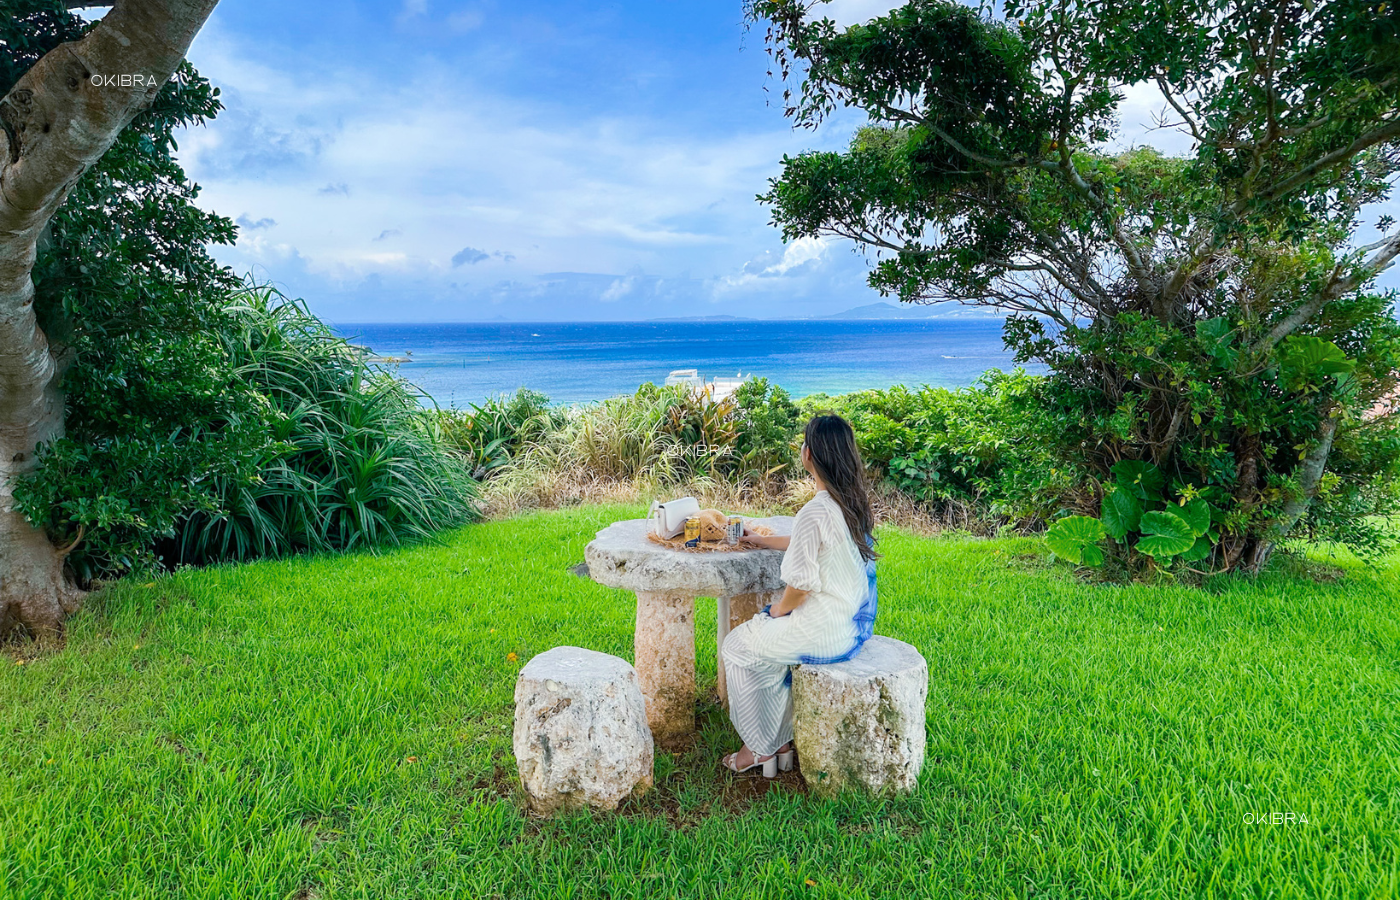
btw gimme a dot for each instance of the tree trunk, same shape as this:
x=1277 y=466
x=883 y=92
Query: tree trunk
x=33 y=591
x=56 y=122
x=1236 y=545
x=1309 y=479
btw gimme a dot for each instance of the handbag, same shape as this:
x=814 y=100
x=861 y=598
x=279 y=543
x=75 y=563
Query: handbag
x=668 y=519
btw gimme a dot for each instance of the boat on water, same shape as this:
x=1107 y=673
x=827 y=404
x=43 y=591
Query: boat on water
x=718 y=387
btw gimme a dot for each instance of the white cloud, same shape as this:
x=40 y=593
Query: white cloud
x=618 y=289
x=452 y=166
x=412 y=9
x=803 y=254
x=852 y=12
x=800 y=252
x=464 y=20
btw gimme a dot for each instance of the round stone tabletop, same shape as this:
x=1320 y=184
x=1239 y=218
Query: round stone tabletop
x=621 y=556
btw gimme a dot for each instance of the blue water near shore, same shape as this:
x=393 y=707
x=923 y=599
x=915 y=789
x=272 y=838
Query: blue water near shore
x=460 y=364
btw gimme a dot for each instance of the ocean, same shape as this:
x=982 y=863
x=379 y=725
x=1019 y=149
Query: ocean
x=463 y=363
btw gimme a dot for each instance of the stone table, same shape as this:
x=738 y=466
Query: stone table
x=666 y=583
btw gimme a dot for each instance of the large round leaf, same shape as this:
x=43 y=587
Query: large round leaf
x=1140 y=478
x=1073 y=539
x=1196 y=514
x=1308 y=355
x=1199 y=550
x=1164 y=534
x=1122 y=511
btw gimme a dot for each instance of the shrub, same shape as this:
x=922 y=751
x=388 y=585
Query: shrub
x=288 y=440
x=767 y=422
x=354 y=458
x=1279 y=444
x=489 y=434
x=984 y=445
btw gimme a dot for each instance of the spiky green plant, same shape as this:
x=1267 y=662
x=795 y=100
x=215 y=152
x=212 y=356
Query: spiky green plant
x=356 y=458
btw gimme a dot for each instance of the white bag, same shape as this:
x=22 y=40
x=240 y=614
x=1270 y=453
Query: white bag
x=668 y=519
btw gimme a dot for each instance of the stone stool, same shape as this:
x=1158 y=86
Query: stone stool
x=581 y=736
x=859 y=724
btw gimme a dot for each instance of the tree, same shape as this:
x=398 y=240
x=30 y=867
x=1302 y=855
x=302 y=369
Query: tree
x=1206 y=318
x=59 y=119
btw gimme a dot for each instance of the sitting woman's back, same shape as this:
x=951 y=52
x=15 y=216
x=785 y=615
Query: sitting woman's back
x=828 y=608
x=823 y=559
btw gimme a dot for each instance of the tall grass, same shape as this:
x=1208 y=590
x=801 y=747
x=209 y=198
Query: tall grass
x=355 y=459
x=738 y=454
x=619 y=448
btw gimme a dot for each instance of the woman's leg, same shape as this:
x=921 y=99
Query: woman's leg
x=760 y=695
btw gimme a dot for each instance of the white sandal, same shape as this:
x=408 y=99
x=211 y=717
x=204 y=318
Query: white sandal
x=769 y=763
x=785 y=760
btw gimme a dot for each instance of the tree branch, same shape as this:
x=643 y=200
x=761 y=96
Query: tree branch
x=1376 y=263
x=1185 y=117
x=58 y=120
x=1310 y=473
x=1305 y=174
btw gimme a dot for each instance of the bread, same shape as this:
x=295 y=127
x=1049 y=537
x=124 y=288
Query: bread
x=712 y=525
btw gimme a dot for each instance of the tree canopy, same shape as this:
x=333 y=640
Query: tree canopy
x=1207 y=313
x=177 y=414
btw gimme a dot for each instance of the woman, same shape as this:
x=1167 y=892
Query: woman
x=827 y=609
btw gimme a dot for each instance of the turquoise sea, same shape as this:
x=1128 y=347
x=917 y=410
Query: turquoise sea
x=461 y=363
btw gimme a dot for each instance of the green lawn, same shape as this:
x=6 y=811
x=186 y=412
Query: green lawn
x=340 y=727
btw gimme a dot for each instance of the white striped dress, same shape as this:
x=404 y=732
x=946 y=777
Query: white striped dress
x=821 y=558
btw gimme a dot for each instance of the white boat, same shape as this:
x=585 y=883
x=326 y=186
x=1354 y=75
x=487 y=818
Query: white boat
x=685 y=376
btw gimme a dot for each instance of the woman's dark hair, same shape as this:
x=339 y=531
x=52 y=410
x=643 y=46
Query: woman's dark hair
x=836 y=458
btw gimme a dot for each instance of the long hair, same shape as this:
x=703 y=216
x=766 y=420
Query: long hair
x=837 y=460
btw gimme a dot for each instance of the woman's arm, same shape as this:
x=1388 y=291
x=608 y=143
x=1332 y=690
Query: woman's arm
x=767 y=541
x=791 y=599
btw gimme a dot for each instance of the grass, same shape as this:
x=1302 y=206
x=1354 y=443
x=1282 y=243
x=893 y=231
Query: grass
x=340 y=727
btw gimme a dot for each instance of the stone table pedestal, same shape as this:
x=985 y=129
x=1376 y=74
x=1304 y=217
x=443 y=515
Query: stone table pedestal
x=666 y=583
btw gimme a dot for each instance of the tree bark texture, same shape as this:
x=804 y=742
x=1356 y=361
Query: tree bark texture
x=56 y=122
x=1309 y=480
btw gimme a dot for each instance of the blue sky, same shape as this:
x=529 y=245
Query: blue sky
x=453 y=160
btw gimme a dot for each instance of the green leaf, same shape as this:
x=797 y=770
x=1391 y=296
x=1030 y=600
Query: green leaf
x=1213 y=331
x=1307 y=354
x=1073 y=539
x=1121 y=513
x=1139 y=478
x=1166 y=534
x=1199 y=550
x=1196 y=514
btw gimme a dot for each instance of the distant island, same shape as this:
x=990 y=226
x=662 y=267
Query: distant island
x=880 y=310
x=889 y=311
x=705 y=319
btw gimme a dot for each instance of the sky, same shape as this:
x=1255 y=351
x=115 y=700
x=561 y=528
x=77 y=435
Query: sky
x=475 y=160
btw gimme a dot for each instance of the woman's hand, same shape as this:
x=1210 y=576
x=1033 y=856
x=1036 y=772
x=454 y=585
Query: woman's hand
x=764 y=541
x=749 y=539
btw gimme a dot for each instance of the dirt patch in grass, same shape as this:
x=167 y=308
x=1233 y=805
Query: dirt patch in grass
x=731 y=794
x=323 y=830
x=502 y=781
x=739 y=792
x=21 y=648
